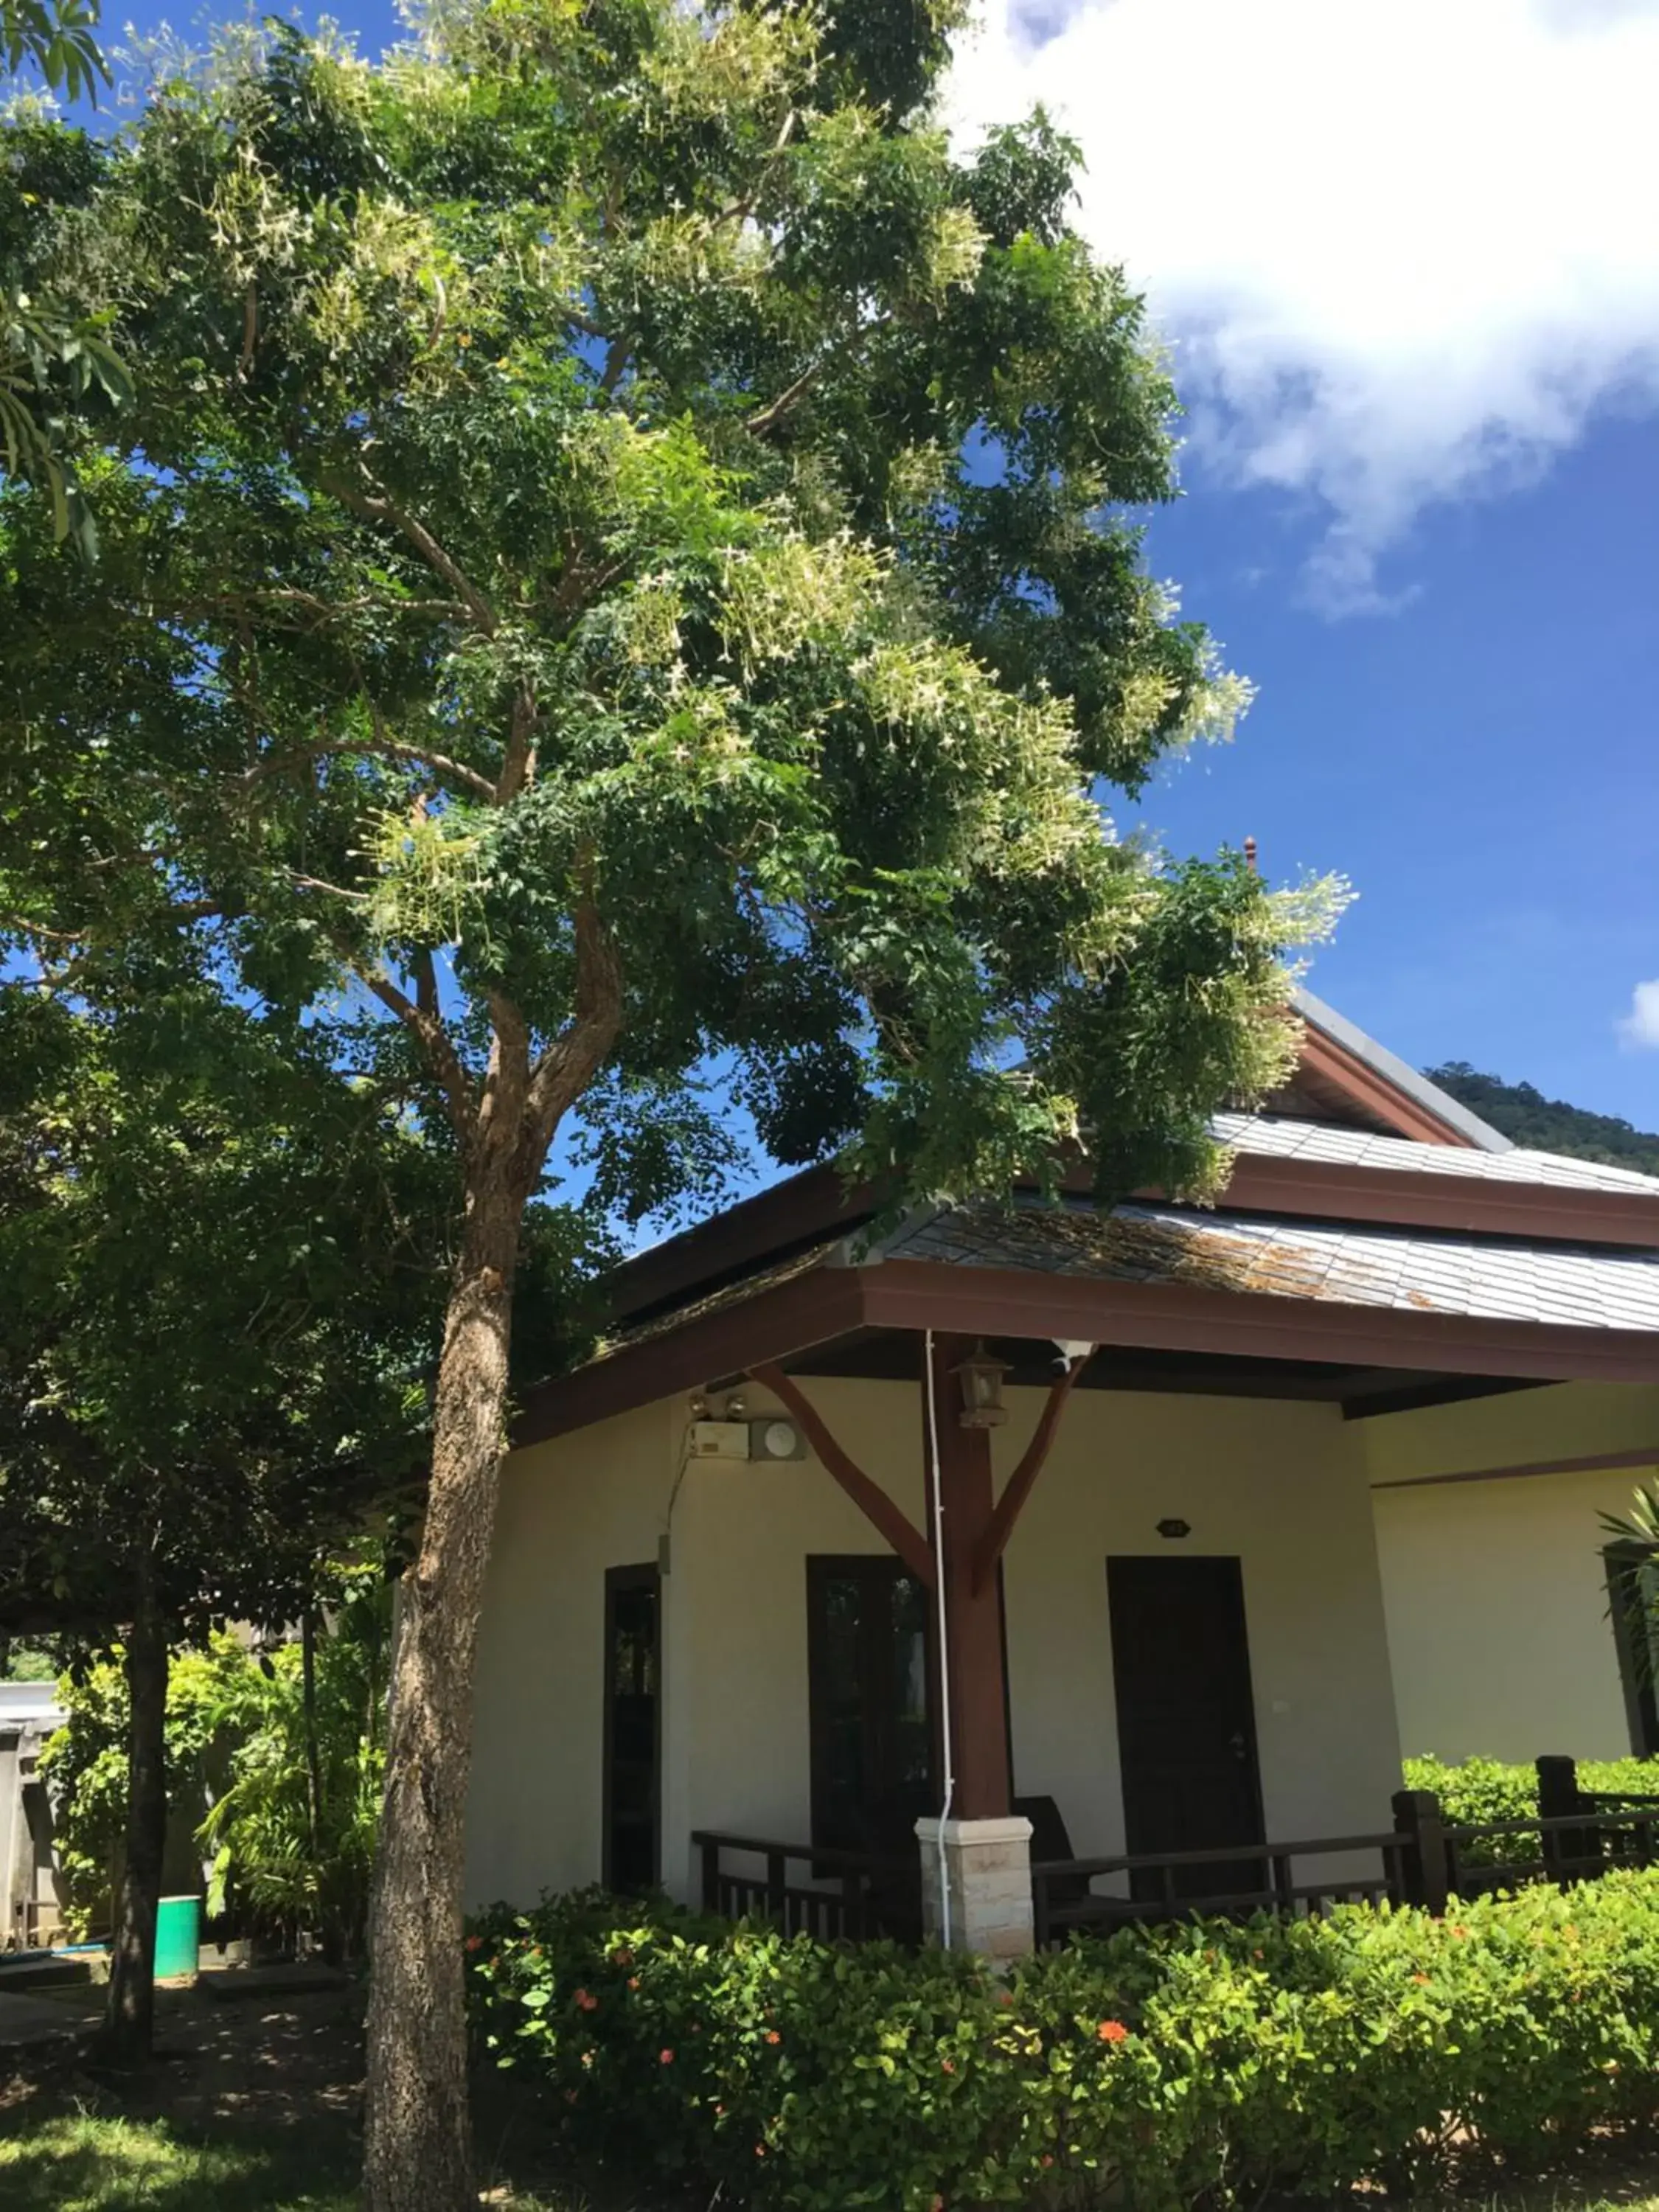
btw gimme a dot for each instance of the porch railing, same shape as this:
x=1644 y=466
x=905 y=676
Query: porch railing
x=1575 y=1836
x=1239 y=1879
x=836 y=1896
x=852 y=1896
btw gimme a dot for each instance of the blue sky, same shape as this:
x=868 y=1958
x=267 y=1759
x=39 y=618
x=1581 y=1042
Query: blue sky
x=1403 y=252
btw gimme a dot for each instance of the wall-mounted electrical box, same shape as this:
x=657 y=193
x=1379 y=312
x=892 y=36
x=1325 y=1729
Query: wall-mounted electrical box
x=719 y=1439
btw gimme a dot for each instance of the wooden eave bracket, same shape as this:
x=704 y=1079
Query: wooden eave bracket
x=1009 y=1506
x=871 y=1500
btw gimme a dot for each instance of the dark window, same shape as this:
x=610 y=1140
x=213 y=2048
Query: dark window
x=1633 y=1602
x=633 y=1674
x=868 y=1658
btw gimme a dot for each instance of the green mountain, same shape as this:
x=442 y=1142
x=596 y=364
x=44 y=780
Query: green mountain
x=1549 y=1125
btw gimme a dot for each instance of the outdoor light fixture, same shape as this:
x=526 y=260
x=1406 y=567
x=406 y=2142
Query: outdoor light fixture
x=982 y=1389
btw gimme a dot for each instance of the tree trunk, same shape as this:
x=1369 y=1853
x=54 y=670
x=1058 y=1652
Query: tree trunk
x=417 y=2149
x=129 y=2015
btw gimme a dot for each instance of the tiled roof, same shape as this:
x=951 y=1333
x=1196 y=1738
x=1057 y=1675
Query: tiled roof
x=1281 y=1137
x=1472 y=1277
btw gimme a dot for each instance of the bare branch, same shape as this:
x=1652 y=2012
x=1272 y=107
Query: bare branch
x=377 y=507
x=250 y=332
x=334 y=890
x=762 y=424
x=432 y=1037
x=518 y=769
x=394 y=748
x=571 y=1061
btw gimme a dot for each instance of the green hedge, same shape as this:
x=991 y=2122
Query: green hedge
x=1209 y=2061
x=1481 y=1789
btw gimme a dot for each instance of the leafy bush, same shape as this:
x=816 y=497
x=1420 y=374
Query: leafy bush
x=1206 y=2062
x=1481 y=1790
x=286 y=1812
x=292 y=1834
x=85 y=1762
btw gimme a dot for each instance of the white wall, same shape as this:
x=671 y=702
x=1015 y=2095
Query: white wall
x=1281 y=1486
x=568 y=1509
x=1496 y=1591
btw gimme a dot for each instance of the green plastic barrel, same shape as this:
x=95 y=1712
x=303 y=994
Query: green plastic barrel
x=178 y=1937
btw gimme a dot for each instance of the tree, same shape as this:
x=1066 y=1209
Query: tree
x=1522 y=1113
x=48 y=360
x=221 y=1265
x=624 y=559
x=58 y=38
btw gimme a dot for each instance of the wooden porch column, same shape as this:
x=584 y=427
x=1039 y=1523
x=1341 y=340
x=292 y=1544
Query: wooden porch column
x=973 y=1619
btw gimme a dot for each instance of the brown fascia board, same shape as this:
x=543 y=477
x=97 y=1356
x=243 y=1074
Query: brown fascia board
x=829 y=1302
x=1477 y=1206
x=812 y=1309
x=1373 y=1093
x=754 y=1233
x=1179 y=1317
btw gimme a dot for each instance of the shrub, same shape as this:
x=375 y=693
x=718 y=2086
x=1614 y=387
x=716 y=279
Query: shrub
x=1208 y=2061
x=292 y=1834
x=85 y=1762
x=1481 y=1790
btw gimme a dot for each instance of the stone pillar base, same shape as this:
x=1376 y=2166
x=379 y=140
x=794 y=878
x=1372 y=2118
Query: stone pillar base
x=988 y=1866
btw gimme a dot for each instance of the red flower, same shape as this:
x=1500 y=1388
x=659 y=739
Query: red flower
x=1048 y=2158
x=1419 y=1978
x=621 y=1957
x=586 y=2002
x=772 y=2035
x=664 y=2058
x=760 y=2150
x=1005 y=1996
x=948 y=2066
x=1112 y=2031
x=475 y=1942
x=632 y=1981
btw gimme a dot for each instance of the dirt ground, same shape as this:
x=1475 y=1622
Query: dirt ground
x=254 y=2067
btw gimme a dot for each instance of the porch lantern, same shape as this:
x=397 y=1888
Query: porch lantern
x=981 y=1388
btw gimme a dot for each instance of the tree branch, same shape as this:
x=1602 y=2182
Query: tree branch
x=762 y=424
x=394 y=748
x=518 y=769
x=571 y=1061
x=379 y=507
x=435 y=1042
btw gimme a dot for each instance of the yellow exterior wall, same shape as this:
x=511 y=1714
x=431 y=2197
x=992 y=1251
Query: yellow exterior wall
x=1280 y=1485
x=1495 y=1591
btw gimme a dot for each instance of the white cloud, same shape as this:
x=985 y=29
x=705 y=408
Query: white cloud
x=1406 y=247
x=1639 y=1028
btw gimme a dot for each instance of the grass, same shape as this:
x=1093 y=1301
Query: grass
x=78 y=2162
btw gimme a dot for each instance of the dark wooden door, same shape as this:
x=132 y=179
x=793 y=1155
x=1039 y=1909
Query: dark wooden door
x=868 y=1662
x=633 y=1731
x=1186 y=1719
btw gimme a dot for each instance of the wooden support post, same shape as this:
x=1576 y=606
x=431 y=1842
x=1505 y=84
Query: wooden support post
x=1564 y=1850
x=973 y=1615
x=871 y=1500
x=1425 y=1872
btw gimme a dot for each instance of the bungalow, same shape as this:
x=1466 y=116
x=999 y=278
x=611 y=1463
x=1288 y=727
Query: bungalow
x=855 y=1555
